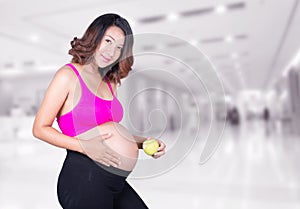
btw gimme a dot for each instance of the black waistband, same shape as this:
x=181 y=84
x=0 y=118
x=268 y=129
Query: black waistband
x=110 y=169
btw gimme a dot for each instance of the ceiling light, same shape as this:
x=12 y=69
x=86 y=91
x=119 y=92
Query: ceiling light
x=152 y=19
x=34 y=38
x=220 y=9
x=228 y=39
x=194 y=42
x=235 y=6
x=197 y=12
x=295 y=61
x=213 y=40
x=172 y=17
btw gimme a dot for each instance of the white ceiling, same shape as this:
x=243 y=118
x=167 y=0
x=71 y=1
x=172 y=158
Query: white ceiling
x=266 y=36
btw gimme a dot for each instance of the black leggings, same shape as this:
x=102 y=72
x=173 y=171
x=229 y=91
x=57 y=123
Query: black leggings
x=82 y=184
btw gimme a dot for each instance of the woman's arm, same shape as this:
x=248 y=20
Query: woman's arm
x=161 y=149
x=140 y=140
x=54 y=98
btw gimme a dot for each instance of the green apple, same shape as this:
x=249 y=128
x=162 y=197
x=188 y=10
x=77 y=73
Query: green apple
x=150 y=146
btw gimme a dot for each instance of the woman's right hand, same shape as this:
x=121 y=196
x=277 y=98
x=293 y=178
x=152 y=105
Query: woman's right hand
x=96 y=149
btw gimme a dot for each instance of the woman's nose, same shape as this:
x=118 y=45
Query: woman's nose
x=111 y=50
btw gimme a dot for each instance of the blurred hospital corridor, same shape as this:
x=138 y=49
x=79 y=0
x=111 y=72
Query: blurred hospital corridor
x=218 y=81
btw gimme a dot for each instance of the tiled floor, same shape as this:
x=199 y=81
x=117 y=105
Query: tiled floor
x=249 y=170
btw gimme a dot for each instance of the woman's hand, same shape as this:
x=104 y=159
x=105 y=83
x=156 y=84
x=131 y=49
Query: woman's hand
x=161 y=148
x=96 y=149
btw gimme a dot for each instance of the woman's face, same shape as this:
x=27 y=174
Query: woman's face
x=110 y=47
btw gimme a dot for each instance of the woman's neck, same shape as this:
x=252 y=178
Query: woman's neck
x=95 y=70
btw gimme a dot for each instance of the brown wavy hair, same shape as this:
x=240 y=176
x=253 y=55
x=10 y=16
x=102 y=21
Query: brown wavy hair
x=83 y=48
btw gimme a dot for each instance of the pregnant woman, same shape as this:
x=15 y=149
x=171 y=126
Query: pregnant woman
x=101 y=153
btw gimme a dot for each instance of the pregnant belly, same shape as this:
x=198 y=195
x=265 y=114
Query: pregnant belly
x=121 y=142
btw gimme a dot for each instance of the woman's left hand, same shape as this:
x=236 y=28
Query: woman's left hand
x=161 y=149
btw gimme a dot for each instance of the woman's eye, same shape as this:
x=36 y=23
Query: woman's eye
x=108 y=41
x=120 y=47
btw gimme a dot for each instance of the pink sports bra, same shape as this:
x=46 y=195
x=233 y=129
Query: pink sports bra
x=90 y=111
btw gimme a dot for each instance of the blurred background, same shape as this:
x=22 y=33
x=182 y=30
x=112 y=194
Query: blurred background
x=253 y=48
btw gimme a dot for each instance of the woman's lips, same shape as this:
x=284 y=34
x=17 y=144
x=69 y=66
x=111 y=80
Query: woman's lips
x=106 y=60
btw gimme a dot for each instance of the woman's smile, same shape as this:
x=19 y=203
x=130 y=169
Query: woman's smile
x=105 y=59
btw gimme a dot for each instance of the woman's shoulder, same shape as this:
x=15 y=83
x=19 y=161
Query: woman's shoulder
x=65 y=74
